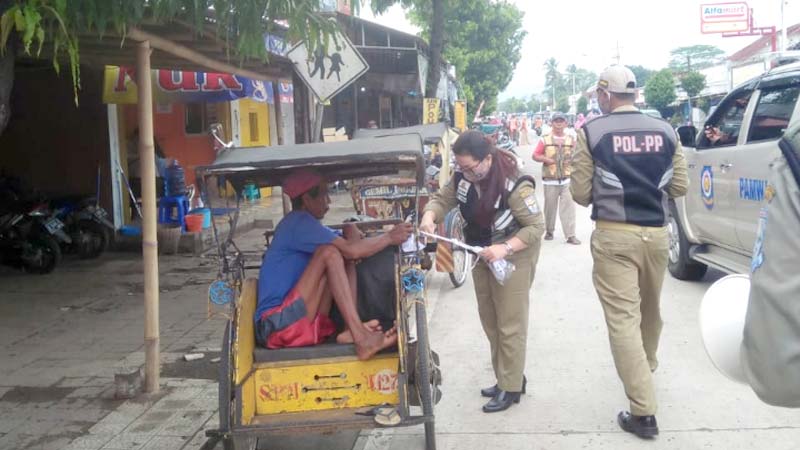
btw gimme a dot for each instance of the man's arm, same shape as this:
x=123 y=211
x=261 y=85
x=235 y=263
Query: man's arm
x=679 y=184
x=582 y=172
x=363 y=248
x=538 y=154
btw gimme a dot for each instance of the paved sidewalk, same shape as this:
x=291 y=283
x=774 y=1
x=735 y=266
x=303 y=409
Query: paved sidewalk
x=65 y=335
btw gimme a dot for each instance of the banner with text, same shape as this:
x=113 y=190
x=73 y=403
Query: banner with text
x=460 y=114
x=173 y=86
x=430 y=110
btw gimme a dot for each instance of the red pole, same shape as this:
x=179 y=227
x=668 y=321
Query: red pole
x=774 y=40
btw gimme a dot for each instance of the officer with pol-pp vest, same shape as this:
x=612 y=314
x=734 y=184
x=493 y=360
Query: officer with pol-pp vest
x=628 y=166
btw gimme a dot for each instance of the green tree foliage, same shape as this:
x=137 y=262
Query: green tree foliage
x=693 y=82
x=241 y=22
x=513 y=105
x=483 y=41
x=694 y=57
x=642 y=74
x=430 y=16
x=561 y=84
x=660 y=89
x=583 y=104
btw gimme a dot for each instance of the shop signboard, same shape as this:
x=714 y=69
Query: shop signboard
x=173 y=86
x=328 y=70
x=430 y=110
x=724 y=17
x=460 y=114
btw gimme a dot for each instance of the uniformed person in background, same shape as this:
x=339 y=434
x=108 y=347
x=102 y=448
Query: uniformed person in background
x=771 y=344
x=501 y=214
x=628 y=165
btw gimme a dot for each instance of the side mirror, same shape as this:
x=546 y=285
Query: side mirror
x=687 y=135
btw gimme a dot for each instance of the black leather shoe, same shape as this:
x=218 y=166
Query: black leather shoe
x=492 y=391
x=502 y=401
x=643 y=426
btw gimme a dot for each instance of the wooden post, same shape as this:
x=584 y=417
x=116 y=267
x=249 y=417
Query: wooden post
x=149 y=241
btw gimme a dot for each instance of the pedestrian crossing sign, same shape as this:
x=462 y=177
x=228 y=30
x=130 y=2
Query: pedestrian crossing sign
x=328 y=70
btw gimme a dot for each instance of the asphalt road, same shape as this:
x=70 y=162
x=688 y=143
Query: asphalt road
x=574 y=393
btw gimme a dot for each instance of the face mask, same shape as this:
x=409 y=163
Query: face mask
x=476 y=175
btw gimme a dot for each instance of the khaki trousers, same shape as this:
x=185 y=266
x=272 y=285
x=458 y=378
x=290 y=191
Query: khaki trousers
x=629 y=266
x=558 y=199
x=503 y=310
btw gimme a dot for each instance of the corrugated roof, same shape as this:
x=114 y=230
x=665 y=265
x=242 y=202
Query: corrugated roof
x=762 y=43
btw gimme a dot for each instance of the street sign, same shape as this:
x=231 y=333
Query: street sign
x=430 y=110
x=328 y=71
x=724 y=17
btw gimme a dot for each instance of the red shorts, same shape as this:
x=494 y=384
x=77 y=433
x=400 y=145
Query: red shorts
x=287 y=325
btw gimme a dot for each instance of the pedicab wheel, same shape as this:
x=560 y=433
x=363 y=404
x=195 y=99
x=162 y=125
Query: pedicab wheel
x=462 y=260
x=423 y=375
x=229 y=442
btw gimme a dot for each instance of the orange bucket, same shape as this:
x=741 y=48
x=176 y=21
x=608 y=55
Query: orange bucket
x=194 y=223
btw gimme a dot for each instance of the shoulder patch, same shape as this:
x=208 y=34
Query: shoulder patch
x=526 y=191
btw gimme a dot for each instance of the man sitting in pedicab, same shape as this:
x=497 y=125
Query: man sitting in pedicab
x=308 y=267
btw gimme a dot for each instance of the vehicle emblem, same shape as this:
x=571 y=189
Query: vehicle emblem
x=707 y=186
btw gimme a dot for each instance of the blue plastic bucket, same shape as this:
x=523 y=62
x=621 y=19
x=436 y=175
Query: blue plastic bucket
x=206 y=216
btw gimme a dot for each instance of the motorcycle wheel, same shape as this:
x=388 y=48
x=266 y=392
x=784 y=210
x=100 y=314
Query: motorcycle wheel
x=41 y=254
x=96 y=239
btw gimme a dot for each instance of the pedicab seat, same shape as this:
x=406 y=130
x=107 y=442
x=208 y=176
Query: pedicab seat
x=324 y=350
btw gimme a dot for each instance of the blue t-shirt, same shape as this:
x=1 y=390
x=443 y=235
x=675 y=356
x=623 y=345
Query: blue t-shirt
x=296 y=238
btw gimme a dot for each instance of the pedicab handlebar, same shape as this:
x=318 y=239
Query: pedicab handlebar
x=501 y=268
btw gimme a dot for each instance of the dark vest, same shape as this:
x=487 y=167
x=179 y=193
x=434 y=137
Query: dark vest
x=632 y=155
x=504 y=224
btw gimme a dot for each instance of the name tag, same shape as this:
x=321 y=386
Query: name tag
x=463 y=189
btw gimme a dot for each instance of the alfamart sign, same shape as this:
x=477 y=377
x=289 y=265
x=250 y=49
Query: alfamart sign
x=724 y=17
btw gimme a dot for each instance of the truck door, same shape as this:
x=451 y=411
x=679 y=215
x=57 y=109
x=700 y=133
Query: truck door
x=775 y=106
x=711 y=211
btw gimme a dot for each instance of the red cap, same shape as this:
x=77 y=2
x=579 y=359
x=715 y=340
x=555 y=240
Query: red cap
x=300 y=181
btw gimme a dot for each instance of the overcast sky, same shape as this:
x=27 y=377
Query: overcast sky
x=586 y=32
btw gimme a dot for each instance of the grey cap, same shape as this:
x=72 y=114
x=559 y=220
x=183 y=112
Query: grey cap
x=557 y=116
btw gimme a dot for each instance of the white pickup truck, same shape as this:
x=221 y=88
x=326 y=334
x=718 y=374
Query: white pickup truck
x=715 y=224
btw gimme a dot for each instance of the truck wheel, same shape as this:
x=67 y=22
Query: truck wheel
x=680 y=265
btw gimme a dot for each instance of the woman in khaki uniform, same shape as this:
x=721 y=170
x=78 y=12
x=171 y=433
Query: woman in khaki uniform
x=502 y=216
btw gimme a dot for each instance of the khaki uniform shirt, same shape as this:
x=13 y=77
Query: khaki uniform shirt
x=583 y=169
x=521 y=201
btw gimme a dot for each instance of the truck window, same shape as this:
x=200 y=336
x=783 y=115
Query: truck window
x=727 y=119
x=773 y=113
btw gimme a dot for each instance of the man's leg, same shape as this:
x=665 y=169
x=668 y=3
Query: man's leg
x=328 y=262
x=616 y=279
x=566 y=210
x=651 y=278
x=550 y=208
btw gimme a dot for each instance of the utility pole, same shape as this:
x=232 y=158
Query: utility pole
x=783 y=28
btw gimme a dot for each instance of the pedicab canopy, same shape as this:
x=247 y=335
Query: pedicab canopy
x=431 y=133
x=267 y=166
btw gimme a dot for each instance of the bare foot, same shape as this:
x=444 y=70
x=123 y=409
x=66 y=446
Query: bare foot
x=374 y=342
x=346 y=337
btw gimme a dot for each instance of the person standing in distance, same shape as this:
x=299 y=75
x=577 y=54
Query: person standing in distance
x=502 y=216
x=554 y=151
x=628 y=166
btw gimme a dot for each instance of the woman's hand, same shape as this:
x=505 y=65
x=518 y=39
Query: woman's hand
x=494 y=253
x=427 y=223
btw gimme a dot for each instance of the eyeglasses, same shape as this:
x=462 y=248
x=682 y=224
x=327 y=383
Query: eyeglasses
x=471 y=170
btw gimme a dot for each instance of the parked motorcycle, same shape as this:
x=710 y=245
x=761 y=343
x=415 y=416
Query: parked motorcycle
x=29 y=239
x=87 y=225
x=29 y=231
